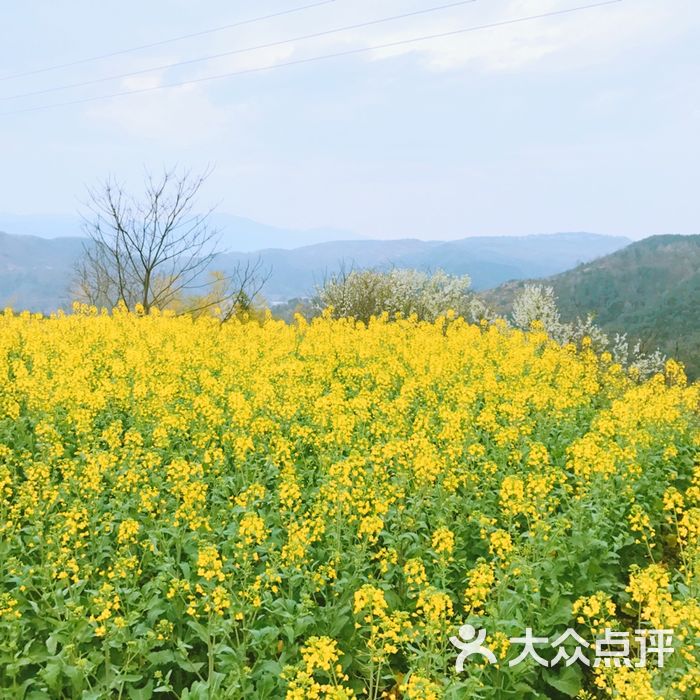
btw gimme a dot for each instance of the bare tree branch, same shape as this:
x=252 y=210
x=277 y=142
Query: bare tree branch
x=157 y=251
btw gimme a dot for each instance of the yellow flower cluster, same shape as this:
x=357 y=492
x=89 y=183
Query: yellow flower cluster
x=596 y=612
x=421 y=688
x=8 y=607
x=369 y=602
x=209 y=564
x=106 y=603
x=434 y=608
x=501 y=543
x=627 y=683
x=640 y=523
x=320 y=654
x=386 y=630
x=443 y=542
x=414 y=571
x=649 y=588
x=481 y=579
x=217 y=502
x=128 y=530
x=251 y=531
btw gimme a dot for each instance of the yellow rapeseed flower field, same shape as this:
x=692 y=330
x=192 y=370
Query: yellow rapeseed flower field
x=264 y=510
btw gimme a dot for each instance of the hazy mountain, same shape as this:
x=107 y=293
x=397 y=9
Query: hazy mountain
x=44 y=225
x=650 y=289
x=236 y=232
x=35 y=272
x=241 y=234
x=488 y=260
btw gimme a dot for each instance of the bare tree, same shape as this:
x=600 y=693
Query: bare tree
x=156 y=250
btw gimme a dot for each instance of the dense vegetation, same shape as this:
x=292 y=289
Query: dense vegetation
x=649 y=290
x=254 y=510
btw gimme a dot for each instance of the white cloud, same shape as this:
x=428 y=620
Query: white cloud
x=182 y=116
x=558 y=42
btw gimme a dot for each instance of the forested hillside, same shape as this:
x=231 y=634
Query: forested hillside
x=650 y=289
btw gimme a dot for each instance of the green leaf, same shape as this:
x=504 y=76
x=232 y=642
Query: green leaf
x=187 y=665
x=568 y=681
x=161 y=658
x=142 y=693
x=51 y=644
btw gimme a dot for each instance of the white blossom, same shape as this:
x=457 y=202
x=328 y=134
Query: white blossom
x=362 y=294
x=538 y=303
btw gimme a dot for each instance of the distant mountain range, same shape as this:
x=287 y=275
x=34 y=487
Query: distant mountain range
x=488 y=260
x=236 y=232
x=650 y=289
x=35 y=272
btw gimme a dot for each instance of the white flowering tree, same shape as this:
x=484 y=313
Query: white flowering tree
x=539 y=303
x=362 y=294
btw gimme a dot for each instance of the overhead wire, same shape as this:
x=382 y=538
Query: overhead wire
x=312 y=59
x=235 y=52
x=172 y=40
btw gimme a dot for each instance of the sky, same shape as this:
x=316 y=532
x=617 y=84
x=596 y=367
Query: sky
x=585 y=121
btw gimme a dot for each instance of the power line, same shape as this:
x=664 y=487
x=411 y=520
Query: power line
x=312 y=59
x=172 y=40
x=234 y=52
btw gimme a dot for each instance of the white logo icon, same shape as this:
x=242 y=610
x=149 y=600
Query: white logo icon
x=470 y=643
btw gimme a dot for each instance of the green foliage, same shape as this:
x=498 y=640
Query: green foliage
x=649 y=290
